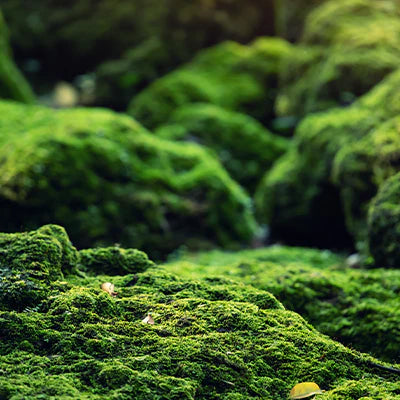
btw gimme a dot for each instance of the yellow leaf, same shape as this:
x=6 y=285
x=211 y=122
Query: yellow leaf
x=148 y=320
x=305 y=389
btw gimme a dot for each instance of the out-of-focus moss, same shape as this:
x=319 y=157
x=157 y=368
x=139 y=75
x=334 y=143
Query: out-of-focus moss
x=211 y=339
x=110 y=181
x=29 y=262
x=383 y=224
x=359 y=307
x=328 y=186
x=348 y=47
x=12 y=84
x=230 y=75
x=73 y=38
x=243 y=145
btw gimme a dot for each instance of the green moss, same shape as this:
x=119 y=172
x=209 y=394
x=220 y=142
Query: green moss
x=29 y=262
x=211 y=339
x=230 y=75
x=12 y=84
x=114 y=260
x=243 y=145
x=330 y=166
x=359 y=307
x=383 y=224
x=121 y=185
x=347 y=48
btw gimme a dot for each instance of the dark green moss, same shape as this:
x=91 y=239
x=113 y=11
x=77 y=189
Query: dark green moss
x=29 y=262
x=243 y=145
x=114 y=260
x=359 y=307
x=230 y=75
x=383 y=224
x=110 y=181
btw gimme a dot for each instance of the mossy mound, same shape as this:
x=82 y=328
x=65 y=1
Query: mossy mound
x=12 y=84
x=211 y=339
x=230 y=75
x=306 y=189
x=383 y=224
x=109 y=181
x=359 y=307
x=29 y=262
x=245 y=148
x=348 y=46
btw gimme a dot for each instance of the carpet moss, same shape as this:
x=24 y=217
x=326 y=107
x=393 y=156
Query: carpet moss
x=211 y=339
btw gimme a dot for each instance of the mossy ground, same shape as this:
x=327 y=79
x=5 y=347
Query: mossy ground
x=211 y=339
x=359 y=307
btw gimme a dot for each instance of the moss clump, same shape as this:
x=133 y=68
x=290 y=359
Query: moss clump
x=359 y=307
x=320 y=170
x=12 y=84
x=383 y=224
x=230 y=75
x=347 y=48
x=109 y=181
x=211 y=339
x=29 y=262
x=243 y=145
x=114 y=260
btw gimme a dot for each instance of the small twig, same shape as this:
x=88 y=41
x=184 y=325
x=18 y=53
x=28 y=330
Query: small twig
x=384 y=367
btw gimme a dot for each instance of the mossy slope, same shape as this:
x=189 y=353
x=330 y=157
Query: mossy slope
x=360 y=307
x=211 y=339
x=230 y=75
x=12 y=84
x=110 y=181
x=242 y=144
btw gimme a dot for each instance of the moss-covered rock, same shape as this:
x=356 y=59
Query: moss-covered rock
x=211 y=339
x=12 y=84
x=383 y=224
x=230 y=75
x=327 y=168
x=359 y=307
x=347 y=48
x=29 y=262
x=109 y=181
x=114 y=260
x=243 y=145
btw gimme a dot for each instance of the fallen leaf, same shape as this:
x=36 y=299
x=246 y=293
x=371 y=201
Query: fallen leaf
x=109 y=288
x=148 y=320
x=305 y=389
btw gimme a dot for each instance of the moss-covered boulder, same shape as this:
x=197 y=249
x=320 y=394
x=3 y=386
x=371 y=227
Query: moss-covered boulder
x=206 y=339
x=348 y=46
x=230 y=75
x=357 y=306
x=110 y=181
x=326 y=178
x=12 y=84
x=245 y=148
x=383 y=224
x=29 y=262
